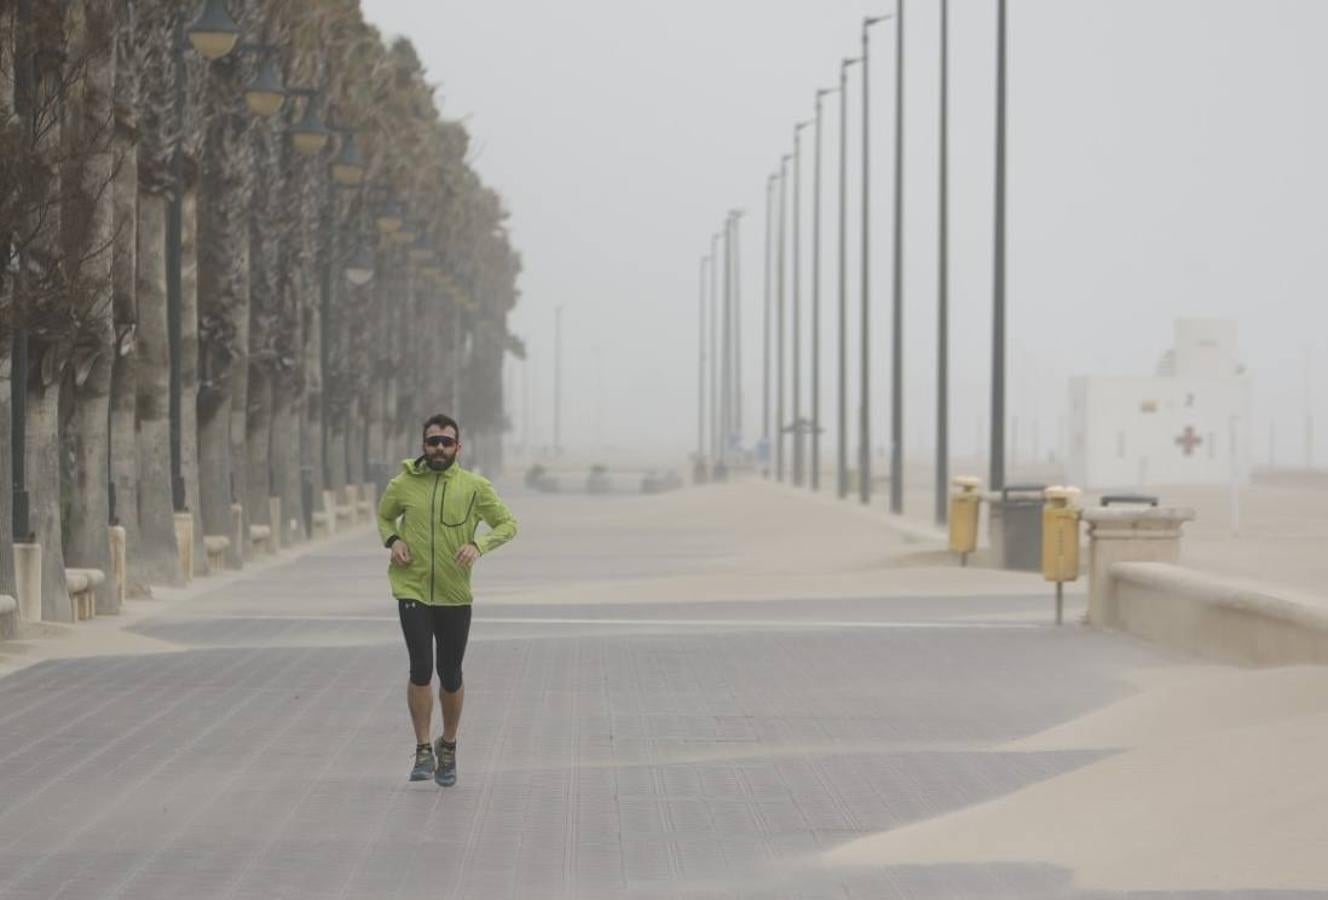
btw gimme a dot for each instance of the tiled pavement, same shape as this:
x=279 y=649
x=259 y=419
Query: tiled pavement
x=702 y=750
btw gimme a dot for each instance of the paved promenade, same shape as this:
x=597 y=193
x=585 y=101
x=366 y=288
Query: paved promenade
x=700 y=694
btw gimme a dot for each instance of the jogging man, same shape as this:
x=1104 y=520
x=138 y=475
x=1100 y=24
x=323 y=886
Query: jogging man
x=427 y=518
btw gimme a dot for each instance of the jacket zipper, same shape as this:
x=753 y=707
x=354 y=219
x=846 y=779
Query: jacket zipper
x=431 y=527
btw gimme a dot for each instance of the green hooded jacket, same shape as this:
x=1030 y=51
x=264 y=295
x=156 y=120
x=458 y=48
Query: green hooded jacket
x=436 y=514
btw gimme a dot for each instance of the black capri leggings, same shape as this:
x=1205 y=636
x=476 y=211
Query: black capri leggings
x=448 y=627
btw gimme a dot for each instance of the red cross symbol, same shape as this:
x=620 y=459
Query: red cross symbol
x=1189 y=440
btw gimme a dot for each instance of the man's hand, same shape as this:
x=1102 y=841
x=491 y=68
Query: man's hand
x=400 y=553
x=467 y=555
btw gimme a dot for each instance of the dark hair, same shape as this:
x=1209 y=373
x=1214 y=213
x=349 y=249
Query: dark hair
x=441 y=421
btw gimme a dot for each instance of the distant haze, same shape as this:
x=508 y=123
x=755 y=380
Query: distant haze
x=1167 y=159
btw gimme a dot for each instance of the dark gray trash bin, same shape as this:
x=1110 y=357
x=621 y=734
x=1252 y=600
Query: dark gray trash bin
x=1021 y=526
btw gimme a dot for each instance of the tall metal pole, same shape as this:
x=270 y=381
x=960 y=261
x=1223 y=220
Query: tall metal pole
x=174 y=278
x=842 y=468
x=943 y=284
x=700 y=369
x=864 y=392
x=726 y=348
x=558 y=382
x=714 y=348
x=765 y=326
x=736 y=378
x=780 y=425
x=897 y=338
x=996 y=478
x=799 y=458
x=816 y=299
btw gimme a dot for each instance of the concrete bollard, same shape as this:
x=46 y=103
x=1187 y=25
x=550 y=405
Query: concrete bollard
x=184 y=543
x=1117 y=534
x=274 y=516
x=235 y=553
x=330 y=509
x=216 y=546
x=119 y=569
x=28 y=581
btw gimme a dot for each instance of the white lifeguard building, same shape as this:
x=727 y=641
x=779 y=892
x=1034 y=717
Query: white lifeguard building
x=1188 y=424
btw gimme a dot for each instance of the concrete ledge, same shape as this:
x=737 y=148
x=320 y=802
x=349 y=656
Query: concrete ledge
x=216 y=546
x=82 y=585
x=1229 y=619
x=262 y=538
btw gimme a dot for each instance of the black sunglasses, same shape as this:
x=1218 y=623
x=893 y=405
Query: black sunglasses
x=439 y=440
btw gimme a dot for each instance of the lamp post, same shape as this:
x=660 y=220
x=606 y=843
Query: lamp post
x=557 y=381
x=864 y=398
x=996 y=477
x=799 y=454
x=765 y=329
x=735 y=425
x=897 y=337
x=701 y=371
x=726 y=350
x=943 y=283
x=816 y=298
x=842 y=467
x=779 y=336
x=714 y=350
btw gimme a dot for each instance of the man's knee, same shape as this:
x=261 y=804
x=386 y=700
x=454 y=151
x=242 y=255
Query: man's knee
x=451 y=679
x=421 y=675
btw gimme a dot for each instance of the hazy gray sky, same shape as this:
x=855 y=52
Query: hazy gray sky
x=1167 y=159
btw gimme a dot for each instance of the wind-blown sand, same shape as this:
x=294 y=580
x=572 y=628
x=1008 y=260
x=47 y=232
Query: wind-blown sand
x=1220 y=783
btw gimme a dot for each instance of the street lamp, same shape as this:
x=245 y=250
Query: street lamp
x=266 y=93
x=897 y=335
x=309 y=135
x=421 y=251
x=864 y=411
x=843 y=276
x=348 y=168
x=779 y=332
x=214 y=33
x=997 y=462
x=765 y=330
x=360 y=266
x=797 y=423
x=406 y=233
x=389 y=218
x=821 y=93
x=943 y=282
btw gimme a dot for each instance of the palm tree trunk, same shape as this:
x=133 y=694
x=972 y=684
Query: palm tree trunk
x=159 y=554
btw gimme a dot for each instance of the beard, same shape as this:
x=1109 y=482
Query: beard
x=440 y=463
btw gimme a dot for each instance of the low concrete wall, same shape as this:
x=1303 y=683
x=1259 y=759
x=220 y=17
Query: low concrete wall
x=1228 y=619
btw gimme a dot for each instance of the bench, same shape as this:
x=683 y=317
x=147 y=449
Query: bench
x=82 y=585
x=216 y=546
